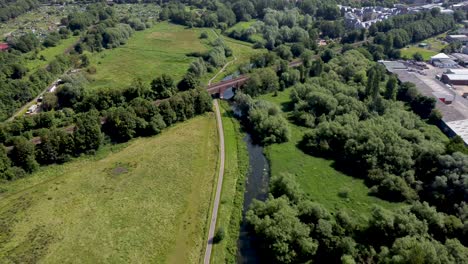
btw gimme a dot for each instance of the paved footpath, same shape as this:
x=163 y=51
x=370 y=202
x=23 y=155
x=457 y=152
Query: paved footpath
x=214 y=215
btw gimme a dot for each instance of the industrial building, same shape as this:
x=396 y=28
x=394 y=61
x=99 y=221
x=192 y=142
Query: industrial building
x=442 y=60
x=455 y=77
x=457 y=38
x=461 y=58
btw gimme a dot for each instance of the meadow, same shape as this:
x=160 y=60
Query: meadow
x=317 y=176
x=244 y=25
x=146 y=201
x=161 y=49
x=435 y=46
x=50 y=53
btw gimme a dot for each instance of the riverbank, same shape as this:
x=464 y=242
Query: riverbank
x=232 y=196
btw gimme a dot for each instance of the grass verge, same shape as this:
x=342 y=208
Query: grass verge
x=232 y=196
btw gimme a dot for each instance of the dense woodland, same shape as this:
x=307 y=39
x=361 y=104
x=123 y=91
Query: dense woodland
x=11 y=9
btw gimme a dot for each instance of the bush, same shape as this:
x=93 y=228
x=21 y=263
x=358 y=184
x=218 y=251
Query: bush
x=204 y=35
x=219 y=235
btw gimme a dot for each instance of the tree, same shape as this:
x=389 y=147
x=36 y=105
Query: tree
x=391 y=88
x=297 y=49
x=284 y=52
x=262 y=81
x=456 y=144
x=51 y=40
x=121 y=124
x=137 y=89
x=306 y=58
x=435 y=11
x=87 y=133
x=373 y=82
x=26 y=42
x=5 y=163
x=23 y=154
x=219 y=235
x=268 y=124
x=459 y=16
x=56 y=147
x=168 y=114
x=69 y=94
x=204 y=35
x=163 y=87
x=417 y=56
x=49 y=101
x=190 y=81
x=276 y=222
x=198 y=67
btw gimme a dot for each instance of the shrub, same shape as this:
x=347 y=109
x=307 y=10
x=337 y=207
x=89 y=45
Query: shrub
x=219 y=235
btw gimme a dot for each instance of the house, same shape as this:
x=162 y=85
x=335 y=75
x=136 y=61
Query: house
x=4 y=46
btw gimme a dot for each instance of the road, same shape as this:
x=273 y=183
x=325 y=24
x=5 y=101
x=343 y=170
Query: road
x=214 y=213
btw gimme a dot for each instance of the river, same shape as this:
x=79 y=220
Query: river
x=256 y=187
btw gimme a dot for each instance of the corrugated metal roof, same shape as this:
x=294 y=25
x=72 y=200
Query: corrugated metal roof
x=460 y=128
x=457 y=77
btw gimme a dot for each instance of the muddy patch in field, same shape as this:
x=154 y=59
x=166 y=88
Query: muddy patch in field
x=120 y=168
x=161 y=35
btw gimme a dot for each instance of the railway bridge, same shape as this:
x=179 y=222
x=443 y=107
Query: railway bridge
x=218 y=89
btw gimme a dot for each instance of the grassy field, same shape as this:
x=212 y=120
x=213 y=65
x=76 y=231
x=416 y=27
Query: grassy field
x=242 y=50
x=147 y=201
x=160 y=49
x=435 y=46
x=244 y=25
x=426 y=53
x=232 y=196
x=317 y=176
x=50 y=53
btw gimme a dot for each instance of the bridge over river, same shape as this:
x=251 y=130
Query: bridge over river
x=218 y=89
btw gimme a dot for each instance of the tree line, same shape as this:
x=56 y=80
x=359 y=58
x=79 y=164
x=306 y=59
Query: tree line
x=83 y=127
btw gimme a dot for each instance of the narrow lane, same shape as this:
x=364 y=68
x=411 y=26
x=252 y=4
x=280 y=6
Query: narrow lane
x=214 y=214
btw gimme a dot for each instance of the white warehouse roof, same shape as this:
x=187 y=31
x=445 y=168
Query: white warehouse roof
x=440 y=56
x=460 y=128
